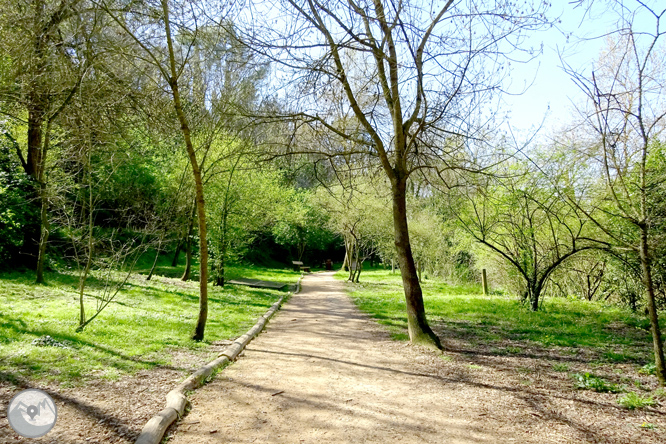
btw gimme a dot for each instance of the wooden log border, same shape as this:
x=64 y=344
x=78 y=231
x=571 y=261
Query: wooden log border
x=176 y=401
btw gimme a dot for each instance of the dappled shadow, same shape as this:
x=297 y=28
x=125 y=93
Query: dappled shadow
x=30 y=369
x=116 y=427
x=323 y=372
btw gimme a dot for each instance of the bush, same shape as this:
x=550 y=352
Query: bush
x=633 y=401
x=588 y=381
x=648 y=369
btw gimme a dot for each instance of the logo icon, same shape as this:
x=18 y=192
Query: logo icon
x=32 y=413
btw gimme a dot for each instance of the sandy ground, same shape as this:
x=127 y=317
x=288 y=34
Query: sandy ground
x=323 y=372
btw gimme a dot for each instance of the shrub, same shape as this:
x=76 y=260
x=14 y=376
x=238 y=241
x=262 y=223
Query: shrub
x=588 y=381
x=633 y=401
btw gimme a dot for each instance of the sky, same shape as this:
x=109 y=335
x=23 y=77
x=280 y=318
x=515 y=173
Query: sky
x=552 y=94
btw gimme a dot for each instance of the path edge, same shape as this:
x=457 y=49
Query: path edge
x=176 y=399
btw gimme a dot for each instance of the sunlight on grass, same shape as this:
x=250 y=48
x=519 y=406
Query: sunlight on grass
x=616 y=335
x=139 y=330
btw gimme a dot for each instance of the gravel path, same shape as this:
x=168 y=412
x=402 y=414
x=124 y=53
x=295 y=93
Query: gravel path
x=324 y=372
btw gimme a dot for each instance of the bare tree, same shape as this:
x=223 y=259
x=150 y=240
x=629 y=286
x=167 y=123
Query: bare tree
x=522 y=217
x=399 y=80
x=626 y=94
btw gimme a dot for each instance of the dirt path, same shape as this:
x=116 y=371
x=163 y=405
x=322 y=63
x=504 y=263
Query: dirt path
x=323 y=372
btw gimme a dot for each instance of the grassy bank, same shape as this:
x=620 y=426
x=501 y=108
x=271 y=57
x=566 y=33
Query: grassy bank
x=142 y=328
x=467 y=320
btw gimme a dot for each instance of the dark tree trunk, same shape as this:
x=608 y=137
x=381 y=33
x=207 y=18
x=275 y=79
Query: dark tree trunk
x=32 y=230
x=219 y=281
x=179 y=246
x=658 y=345
x=419 y=330
x=157 y=256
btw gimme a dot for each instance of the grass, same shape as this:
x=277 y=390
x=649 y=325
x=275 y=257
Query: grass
x=610 y=334
x=147 y=322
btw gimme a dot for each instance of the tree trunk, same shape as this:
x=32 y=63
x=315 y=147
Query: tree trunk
x=222 y=252
x=534 y=300
x=198 y=334
x=157 y=255
x=45 y=227
x=419 y=330
x=179 y=246
x=658 y=345
x=86 y=271
x=32 y=231
x=484 y=282
x=188 y=246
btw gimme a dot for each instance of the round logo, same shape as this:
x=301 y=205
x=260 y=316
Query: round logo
x=32 y=413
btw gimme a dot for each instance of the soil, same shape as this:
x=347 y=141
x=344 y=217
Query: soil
x=324 y=372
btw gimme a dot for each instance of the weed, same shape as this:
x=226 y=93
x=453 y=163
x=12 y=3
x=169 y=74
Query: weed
x=475 y=367
x=648 y=369
x=561 y=367
x=588 y=381
x=648 y=426
x=633 y=400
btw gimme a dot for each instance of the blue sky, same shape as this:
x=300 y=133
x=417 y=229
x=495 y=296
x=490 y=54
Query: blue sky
x=553 y=94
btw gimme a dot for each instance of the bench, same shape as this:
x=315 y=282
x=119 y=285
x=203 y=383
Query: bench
x=297 y=265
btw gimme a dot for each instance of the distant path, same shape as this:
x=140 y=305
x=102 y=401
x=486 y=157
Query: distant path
x=324 y=372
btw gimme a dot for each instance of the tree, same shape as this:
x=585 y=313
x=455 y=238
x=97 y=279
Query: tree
x=396 y=81
x=626 y=115
x=300 y=223
x=166 y=40
x=524 y=219
x=38 y=37
x=357 y=214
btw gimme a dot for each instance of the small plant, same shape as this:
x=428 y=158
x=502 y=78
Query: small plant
x=633 y=400
x=446 y=358
x=514 y=350
x=588 y=381
x=475 y=367
x=660 y=393
x=648 y=369
x=648 y=426
x=561 y=367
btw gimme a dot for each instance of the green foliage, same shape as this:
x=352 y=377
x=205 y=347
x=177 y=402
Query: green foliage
x=301 y=223
x=648 y=369
x=633 y=400
x=588 y=381
x=15 y=190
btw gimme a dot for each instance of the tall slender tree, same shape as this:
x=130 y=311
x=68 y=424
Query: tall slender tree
x=396 y=79
x=626 y=114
